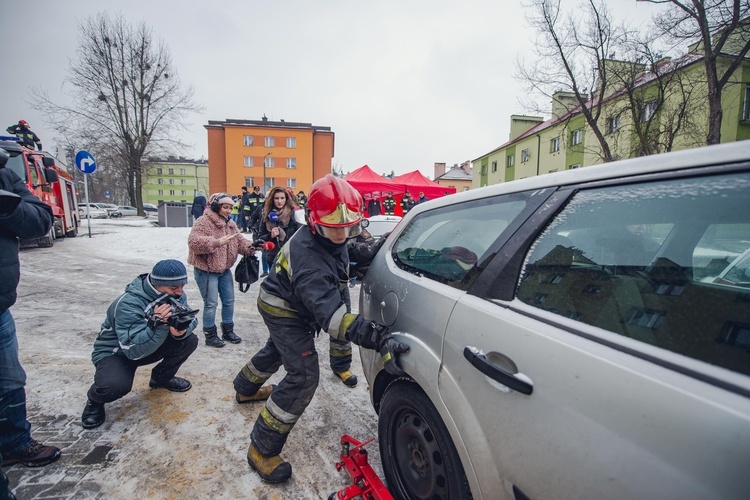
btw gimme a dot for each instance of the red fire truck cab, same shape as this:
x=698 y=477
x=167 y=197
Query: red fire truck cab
x=50 y=183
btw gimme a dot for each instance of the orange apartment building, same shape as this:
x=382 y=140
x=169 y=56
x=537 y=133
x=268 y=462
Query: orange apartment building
x=288 y=154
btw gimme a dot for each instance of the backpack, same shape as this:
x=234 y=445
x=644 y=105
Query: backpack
x=246 y=272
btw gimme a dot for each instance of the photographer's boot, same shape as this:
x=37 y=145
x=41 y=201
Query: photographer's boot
x=227 y=333
x=93 y=415
x=271 y=469
x=212 y=339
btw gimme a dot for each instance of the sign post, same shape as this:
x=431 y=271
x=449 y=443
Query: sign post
x=85 y=163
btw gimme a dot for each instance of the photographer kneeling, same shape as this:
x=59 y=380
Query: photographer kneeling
x=150 y=322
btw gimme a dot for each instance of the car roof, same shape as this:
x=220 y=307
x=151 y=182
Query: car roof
x=680 y=160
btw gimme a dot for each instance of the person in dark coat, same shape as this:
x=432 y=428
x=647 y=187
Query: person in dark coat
x=22 y=215
x=373 y=207
x=199 y=204
x=23 y=132
x=301 y=297
x=277 y=224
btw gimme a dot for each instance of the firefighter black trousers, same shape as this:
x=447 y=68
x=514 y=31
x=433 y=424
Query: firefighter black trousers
x=291 y=343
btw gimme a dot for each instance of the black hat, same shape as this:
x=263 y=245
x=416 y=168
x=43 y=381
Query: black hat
x=168 y=272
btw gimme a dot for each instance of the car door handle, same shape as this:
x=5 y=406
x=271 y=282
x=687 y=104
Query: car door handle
x=479 y=361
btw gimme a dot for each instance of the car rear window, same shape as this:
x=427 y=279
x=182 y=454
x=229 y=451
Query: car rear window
x=449 y=244
x=659 y=262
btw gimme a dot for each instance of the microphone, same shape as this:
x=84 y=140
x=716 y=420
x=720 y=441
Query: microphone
x=265 y=246
x=273 y=217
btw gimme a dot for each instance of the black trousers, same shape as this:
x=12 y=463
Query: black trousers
x=115 y=374
x=291 y=343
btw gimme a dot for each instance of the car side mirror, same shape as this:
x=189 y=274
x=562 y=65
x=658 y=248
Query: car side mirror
x=48 y=162
x=51 y=174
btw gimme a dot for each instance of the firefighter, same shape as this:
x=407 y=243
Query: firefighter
x=389 y=205
x=301 y=296
x=23 y=132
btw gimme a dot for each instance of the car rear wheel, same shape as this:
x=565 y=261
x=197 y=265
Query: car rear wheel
x=418 y=456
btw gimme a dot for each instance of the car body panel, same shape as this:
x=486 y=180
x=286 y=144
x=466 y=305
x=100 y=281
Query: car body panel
x=127 y=210
x=379 y=225
x=609 y=414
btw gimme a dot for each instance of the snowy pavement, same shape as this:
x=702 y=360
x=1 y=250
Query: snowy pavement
x=155 y=443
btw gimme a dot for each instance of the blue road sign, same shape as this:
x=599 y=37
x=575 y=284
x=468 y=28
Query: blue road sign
x=85 y=162
x=106 y=193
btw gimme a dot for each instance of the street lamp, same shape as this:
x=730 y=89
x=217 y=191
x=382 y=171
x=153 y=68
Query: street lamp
x=264 y=172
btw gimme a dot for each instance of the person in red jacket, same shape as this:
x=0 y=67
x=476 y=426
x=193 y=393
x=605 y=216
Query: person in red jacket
x=214 y=243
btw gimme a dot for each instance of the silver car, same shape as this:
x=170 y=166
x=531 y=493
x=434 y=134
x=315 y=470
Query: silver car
x=564 y=340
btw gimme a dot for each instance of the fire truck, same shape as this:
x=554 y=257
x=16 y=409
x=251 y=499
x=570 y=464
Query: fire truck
x=51 y=183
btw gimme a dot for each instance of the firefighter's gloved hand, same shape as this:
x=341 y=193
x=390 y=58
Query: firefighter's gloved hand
x=367 y=334
x=389 y=349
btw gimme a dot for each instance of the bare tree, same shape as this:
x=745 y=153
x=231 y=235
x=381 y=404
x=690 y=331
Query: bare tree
x=127 y=98
x=723 y=29
x=571 y=50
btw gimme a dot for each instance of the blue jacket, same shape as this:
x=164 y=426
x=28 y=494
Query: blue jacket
x=32 y=218
x=125 y=331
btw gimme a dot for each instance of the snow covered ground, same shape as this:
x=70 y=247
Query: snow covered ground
x=163 y=444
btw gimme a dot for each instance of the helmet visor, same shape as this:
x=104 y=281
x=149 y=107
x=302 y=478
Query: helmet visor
x=339 y=234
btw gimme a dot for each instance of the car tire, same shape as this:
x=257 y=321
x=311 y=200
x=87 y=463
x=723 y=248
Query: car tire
x=418 y=456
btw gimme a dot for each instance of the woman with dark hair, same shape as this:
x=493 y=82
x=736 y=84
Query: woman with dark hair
x=277 y=224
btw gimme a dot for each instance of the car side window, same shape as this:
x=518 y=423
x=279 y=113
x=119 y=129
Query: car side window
x=449 y=244
x=661 y=262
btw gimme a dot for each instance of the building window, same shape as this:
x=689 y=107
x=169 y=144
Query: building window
x=573 y=167
x=576 y=137
x=171 y=181
x=248 y=161
x=494 y=166
x=269 y=142
x=158 y=171
x=160 y=192
x=160 y=181
x=484 y=169
x=648 y=110
x=268 y=162
x=171 y=192
x=554 y=145
x=171 y=171
x=511 y=161
x=248 y=140
x=524 y=155
x=182 y=171
x=248 y=182
x=183 y=192
x=291 y=183
x=746 y=110
x=291 y=163
x=182 y=181
x=613 y=124
x=291 y=142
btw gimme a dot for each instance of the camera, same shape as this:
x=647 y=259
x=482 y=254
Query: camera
x=179 y=319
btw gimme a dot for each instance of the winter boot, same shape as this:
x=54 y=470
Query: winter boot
x=212 y=339
x=347 y=377
x=228 y=334
x=271 y=469
x=93 y=415
x=262 y=394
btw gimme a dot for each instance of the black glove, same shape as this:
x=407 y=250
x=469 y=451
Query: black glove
x=371 y=335
x=389 y=348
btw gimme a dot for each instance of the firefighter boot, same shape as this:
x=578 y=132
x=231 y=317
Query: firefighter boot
x=212 y=339
x=93 y=415
x=271 y=469
x=347 y=377
x=227 y=333
x=262 y=394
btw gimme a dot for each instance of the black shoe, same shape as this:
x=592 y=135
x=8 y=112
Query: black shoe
x=36 y=455
x=175 y=384
x=228 y=333
x=93 y=415
x=212 y=338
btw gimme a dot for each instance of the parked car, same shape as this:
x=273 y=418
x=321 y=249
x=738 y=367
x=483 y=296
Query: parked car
x=563 y=341
x=92 y=210
x=126 y=210
x=379 y=225
x=111 y=209
x=148 y=207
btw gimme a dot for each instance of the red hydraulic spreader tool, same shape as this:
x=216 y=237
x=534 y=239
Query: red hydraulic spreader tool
x=365 y=483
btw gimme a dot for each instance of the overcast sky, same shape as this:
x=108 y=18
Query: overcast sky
x=402 y=83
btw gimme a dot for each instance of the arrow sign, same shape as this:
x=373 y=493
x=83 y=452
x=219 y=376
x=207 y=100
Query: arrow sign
x=85 y=162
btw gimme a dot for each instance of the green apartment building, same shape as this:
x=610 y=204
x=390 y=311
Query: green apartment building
x=174 y=180
x=652 y=115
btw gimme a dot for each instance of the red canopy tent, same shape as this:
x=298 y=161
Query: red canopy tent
x=416 y=182
x=370 y=184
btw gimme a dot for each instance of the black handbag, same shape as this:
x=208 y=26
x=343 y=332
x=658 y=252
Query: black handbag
x=246 y=272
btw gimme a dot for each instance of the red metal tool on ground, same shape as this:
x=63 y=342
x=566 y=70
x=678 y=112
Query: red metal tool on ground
x=365 y=482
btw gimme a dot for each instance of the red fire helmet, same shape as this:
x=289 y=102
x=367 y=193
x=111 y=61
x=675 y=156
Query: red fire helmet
x=333 y=202
x=23 y=123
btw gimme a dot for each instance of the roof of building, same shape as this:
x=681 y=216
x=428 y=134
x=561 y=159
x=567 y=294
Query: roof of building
x=456 y=173
x=229 y=122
